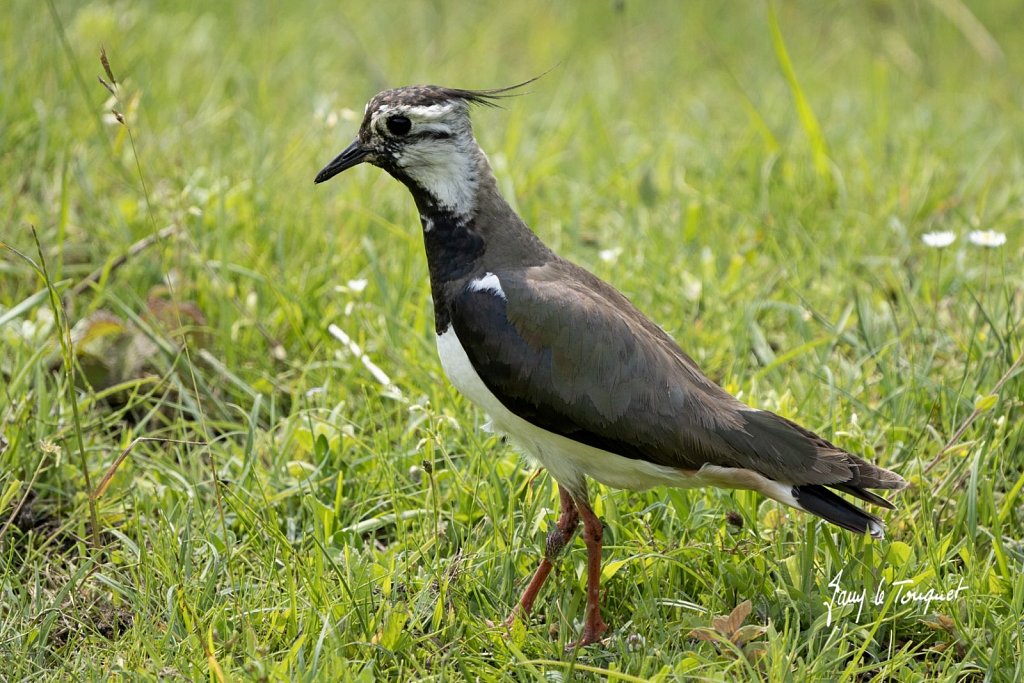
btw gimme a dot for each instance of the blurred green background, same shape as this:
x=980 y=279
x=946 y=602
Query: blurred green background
x=757 y=177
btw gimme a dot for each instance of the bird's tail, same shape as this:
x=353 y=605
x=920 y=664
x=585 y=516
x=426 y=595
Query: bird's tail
x=774 y=439
x=822 y=502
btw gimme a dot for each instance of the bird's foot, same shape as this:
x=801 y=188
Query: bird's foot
x=593 y=632
x=588 y=640
x=506 y=624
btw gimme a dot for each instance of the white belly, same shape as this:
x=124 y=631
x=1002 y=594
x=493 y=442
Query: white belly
x=566 y=460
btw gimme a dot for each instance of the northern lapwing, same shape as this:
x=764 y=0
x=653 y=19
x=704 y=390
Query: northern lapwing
x=565 y=365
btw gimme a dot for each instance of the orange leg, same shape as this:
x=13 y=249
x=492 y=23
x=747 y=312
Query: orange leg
x=558 y=538
x=593 y=625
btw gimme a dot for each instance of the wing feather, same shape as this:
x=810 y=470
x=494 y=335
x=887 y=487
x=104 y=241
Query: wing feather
x=568 y=353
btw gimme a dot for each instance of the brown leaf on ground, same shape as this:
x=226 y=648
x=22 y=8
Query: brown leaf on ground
x=727 y=626
x=730 y=628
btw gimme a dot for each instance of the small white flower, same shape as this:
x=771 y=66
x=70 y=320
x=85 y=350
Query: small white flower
x=635 y=642
x=610 y=255
x=357 y=286
x=987 y=238
x=938 y=240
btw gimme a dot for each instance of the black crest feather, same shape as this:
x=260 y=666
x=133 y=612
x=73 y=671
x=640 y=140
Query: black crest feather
x=426 y=95
x=492 y=96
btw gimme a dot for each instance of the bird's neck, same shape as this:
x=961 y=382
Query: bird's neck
x=462 y=242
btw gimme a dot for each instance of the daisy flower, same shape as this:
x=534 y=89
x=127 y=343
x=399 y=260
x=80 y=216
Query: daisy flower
x=987 y=238
x=938 y=240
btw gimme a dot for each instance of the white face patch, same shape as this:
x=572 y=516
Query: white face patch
x=434 y=112
x=439 y=152
x=437 y=118
x=446 y=170
x=488 y=283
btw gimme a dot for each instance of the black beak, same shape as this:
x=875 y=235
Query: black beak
x=353 y=155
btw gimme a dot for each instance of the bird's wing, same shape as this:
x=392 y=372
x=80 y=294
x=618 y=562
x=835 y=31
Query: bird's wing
x=568 y=353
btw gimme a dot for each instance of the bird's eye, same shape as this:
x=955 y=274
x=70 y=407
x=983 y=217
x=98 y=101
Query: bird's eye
x=399 y=125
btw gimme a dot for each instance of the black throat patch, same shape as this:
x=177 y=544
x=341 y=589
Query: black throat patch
x=453 y=248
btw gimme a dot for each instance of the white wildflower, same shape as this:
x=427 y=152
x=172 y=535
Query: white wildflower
x=610 y=255
x=987 y=238
x=635 y=642
x=356 y=286
x=938 y=240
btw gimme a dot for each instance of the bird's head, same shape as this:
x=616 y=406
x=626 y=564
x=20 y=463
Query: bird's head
x=422 y=136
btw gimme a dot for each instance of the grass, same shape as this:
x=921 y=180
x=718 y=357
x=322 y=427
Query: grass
x=264 y=507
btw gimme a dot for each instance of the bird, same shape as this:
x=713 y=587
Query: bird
x=566 y=366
